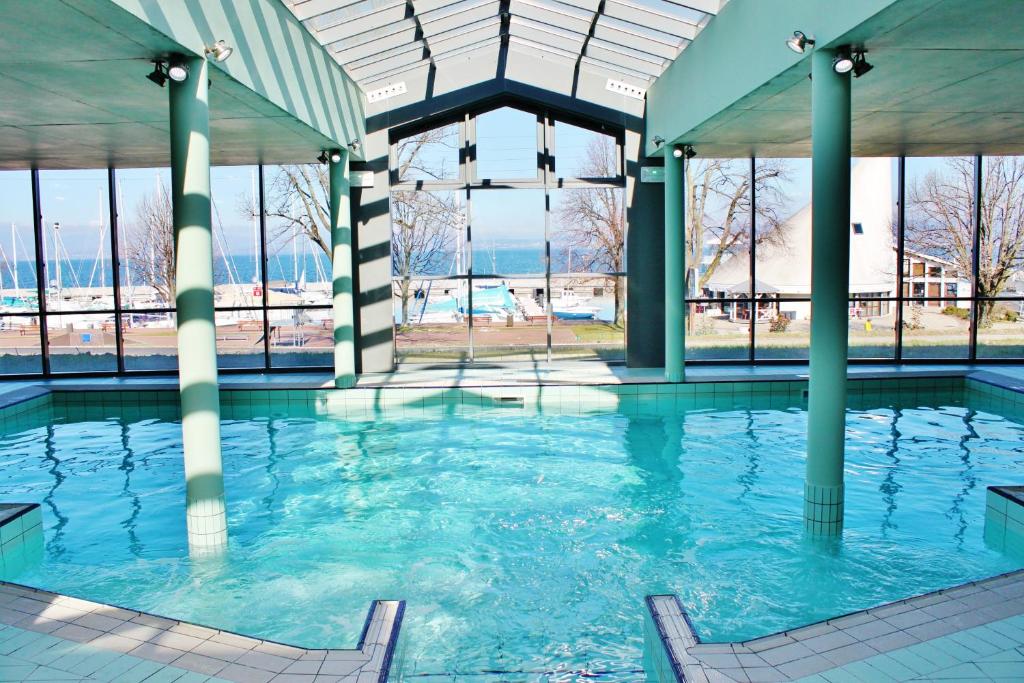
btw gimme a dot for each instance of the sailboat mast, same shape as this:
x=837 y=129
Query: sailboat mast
x=127 y=261
x=255 y=230
x=103 y=232
x=14 y=255
x=56 y=253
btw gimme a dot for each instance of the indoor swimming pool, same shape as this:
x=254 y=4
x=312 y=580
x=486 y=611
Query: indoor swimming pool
x=523 y=539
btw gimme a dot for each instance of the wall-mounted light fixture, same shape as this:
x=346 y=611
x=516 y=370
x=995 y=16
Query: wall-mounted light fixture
x=846 y=61
x=799 y=42
x=843 y=62
x=860 y=64
x=679 y=151
x=177 y=71
x=333 y=157
x=159 y=73
x=219 y=51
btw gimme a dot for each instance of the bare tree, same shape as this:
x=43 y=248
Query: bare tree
x=424 y=225
x=300 y=201
x=149 y=244
x=940 y=220
x=718 y=210
x=592 y=221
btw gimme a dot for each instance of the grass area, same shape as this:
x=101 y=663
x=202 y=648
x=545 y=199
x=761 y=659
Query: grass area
x=597 y=332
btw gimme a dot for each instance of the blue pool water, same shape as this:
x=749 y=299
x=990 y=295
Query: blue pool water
x=521 y=542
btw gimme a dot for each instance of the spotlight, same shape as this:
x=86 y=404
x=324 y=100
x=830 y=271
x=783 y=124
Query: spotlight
x=323 y=157
x=658 y=140
x=219 y=51
x=690 y=151
x=799 y=42
x=335 y=156
x=860 y=65
x=843 y=62
x=677 y=151
x=354 y=146
x=177 y=71
x=158 y=75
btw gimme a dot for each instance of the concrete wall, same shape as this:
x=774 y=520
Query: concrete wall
x=645 y=262
x=371 y=218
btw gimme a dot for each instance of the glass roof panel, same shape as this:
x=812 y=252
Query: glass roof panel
x=347 y=51
x=355 y=10
x=554 y=13
x=377 y=39
x=361 y=24
x=464 y=35
x=374 y=35
x=459 y=15
x=629 y=10
x=629 y=31
x=546 y=34
x=642 y=62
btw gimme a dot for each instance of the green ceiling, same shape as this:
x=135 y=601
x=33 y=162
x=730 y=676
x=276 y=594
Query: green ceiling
x=74 y=92
x=946 y=81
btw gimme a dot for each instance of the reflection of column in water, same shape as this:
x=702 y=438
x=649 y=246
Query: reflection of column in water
x=128 y=466
x=748 y=478
x=889 y=487
x=55 y=546
x=271 y=468
x=966 y=474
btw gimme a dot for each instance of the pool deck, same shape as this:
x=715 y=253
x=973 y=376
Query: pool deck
x=45 y=636
x=971 y=632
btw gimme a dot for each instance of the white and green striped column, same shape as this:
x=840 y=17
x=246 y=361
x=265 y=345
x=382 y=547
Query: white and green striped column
x=675 y=269
x=197 y=336
x=830 y=275
x=341 y=267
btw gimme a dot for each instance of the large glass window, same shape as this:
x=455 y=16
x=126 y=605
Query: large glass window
x=514 y=264
x=20 y=351
x=76 y=238
x=588 y=265
x=873 y=250
x=782 y=260
x=145 y=238
x=429 y=266
x=718 y=284
x=938 y=257
x=506 y=145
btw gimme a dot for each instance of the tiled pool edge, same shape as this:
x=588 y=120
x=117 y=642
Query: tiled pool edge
x=997 y=387
x=673 y=651
x=21 y=535
x=200 y=649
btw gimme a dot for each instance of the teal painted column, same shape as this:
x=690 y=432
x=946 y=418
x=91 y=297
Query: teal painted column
x=830 y=275
x=197 y=336
x=341 y=267
x=675 y=269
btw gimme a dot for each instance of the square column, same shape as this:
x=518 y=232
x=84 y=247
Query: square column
x=341 y=273
x=830 y=278
x=197 y=334
x=675 y=268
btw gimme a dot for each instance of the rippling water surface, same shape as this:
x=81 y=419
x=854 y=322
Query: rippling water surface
x=521 y=542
